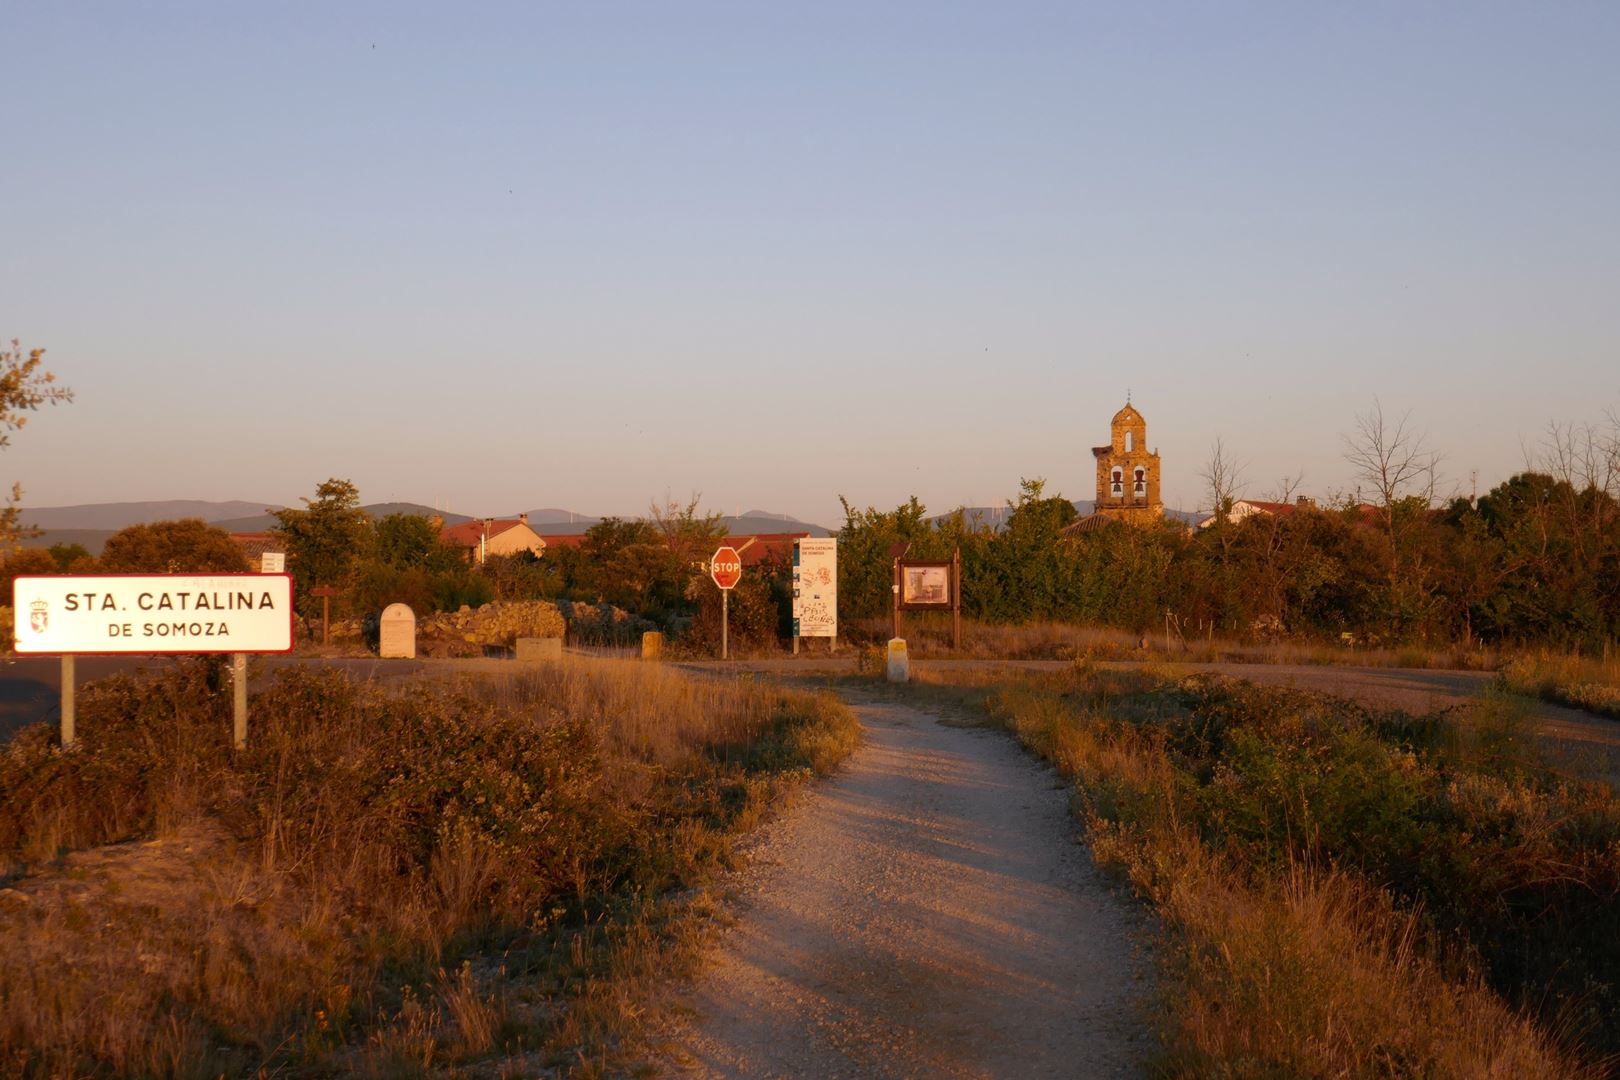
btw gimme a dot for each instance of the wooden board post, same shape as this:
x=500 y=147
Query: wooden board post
x=325 y=592
x=956 y=600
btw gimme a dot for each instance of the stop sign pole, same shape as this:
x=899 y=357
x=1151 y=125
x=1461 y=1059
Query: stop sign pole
x=725 y=567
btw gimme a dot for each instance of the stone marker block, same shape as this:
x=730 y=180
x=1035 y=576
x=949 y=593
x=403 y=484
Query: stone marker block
x=652 y=645
x=899 y=661
x=396 y=633
x=539 y=648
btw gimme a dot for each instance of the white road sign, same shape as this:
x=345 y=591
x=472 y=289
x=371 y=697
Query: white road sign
x=815 y=587
x=157 y=613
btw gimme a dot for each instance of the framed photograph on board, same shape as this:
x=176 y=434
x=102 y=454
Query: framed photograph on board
x=925 y=586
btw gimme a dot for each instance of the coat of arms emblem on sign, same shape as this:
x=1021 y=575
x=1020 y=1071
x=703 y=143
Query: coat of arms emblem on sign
x=39 y=616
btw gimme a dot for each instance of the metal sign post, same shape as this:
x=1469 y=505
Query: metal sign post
x=725 y=567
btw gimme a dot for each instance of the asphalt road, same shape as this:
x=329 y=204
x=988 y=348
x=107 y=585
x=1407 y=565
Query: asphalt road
x=1577 y=742
x=30 y=689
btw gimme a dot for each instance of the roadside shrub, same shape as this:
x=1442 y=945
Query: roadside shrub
x=146 y=747
x=1436 y=851
x=753 y=622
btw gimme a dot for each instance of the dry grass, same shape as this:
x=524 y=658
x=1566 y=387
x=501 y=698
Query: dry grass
x=930 y=635
x=1317 y=974
x=386 y=882
x=1565 y=679
x=1297 y=936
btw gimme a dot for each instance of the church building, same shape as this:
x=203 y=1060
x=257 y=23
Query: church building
x=1128 y=473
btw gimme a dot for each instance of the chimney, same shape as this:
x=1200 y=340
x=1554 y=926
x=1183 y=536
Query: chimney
x=1304 y=501
x=523 y=519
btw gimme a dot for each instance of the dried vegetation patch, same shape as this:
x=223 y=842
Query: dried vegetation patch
x=477 y=876
x=1346 y=892
x=1579 y=682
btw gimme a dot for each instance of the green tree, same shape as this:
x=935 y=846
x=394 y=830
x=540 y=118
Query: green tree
x=23 y=388
x=68 y=556
x=23 y=561
x=1026 y=558
x=690 y=536
x=406 y=561
x=753 y=618
x=187 y=546
x=523 y=575
x=413 y=541
x=628 y=564
x=865 y=565
x=325 y=541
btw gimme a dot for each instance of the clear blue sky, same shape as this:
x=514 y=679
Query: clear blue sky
x=496 y=257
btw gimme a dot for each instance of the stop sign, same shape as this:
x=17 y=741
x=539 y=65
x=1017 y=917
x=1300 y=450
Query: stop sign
x=726 y=568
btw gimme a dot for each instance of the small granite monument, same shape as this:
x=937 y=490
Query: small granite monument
x=396 y=637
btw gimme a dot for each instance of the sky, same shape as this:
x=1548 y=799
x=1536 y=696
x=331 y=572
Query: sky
x=495 y=257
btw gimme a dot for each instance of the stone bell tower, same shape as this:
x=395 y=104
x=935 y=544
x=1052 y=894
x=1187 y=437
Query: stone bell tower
x=1127 y=474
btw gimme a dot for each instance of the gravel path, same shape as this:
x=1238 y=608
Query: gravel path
x=926 y=912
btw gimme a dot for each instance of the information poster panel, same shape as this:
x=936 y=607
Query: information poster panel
x=156 y=613
x=815 y=587
x=925 y=585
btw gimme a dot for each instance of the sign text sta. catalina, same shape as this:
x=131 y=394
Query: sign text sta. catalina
x=154 y=613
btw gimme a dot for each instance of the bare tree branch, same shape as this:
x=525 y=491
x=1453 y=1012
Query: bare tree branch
x=1393 y=458
x=1223 y=480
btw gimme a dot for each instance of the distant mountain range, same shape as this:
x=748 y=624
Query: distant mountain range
x=117 y=515
x=91 y=524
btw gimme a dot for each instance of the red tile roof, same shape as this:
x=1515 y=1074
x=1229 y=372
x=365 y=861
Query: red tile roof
x=256 y=544
x=1089 y=523
x=766 y=547
x=563 y=539
x=469 y=533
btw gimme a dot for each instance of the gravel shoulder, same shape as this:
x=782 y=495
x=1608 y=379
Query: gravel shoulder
x=926 y=912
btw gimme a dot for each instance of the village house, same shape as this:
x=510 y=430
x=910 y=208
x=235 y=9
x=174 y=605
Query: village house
x=493 y=536
x=1242 y=508
x=1247 y=508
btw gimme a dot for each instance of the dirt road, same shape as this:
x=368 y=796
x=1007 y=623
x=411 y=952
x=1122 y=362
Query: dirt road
x=927 y=912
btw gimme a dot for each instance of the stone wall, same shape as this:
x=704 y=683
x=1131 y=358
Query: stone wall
x=499 y=623
x=469 y=631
